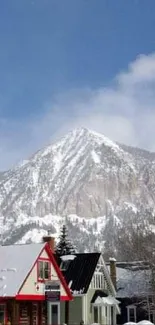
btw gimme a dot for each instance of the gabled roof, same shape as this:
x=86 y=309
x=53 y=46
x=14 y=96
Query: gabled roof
x=80 y=271
x=15 y=263
x=59 y=273
x=98 y=293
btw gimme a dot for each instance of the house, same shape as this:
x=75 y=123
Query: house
x=32 y=287
x=135 y=291
x=92 y=289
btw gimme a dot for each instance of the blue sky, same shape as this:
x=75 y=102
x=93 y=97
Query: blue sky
x=62 y=62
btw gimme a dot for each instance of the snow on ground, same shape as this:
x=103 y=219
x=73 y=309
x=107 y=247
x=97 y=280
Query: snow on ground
x=130 y=323
x=143 y=322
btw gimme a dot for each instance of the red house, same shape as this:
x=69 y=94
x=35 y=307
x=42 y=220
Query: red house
x=31 y=285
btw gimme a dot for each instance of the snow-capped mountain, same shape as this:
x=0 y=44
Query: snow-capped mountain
x=86 y=179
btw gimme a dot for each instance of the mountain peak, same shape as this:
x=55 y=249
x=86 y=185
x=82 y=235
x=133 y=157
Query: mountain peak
x=90 y=135
x=84 y=174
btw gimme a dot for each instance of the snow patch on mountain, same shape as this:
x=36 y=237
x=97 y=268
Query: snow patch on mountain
x=100 y=138
x=95 y=157
x=34 y=235
x=85 y=180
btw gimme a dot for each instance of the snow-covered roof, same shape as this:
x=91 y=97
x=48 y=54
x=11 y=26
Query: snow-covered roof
x=112 y=259
x=15 y=263
x=109 y=300
x=133 y=280
x=65 y=258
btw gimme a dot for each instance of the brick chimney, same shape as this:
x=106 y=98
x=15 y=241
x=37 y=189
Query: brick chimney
x=113 y=270
x=50 y=240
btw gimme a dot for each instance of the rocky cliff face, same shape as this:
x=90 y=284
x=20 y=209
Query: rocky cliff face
x=85 y=178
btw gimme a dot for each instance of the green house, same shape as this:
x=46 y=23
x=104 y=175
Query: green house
x=92 y=288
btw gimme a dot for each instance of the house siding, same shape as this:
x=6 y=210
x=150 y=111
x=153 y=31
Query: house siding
x=30 y=285
x=62 y=312
x=75 y=311
x=89 y=312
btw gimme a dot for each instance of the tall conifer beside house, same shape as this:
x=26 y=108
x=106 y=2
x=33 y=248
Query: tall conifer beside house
x=64 y=246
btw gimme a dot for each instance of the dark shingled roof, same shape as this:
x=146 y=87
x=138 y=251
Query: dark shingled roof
x=98 y=293
x=80 y=270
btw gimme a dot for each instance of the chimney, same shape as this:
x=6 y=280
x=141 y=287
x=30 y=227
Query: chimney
x=50 y=240
x=113 y=270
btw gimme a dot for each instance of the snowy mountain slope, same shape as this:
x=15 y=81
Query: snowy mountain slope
x=84 y=174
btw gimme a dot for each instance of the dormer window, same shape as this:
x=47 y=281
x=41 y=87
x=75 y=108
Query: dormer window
x=64 y=265
x=43 y=270
x=65 y=261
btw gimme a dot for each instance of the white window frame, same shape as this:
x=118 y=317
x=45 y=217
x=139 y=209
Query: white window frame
x=43 y=277
x=131 y=307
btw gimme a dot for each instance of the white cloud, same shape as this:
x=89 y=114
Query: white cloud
x=124 y=111
x=141 y=70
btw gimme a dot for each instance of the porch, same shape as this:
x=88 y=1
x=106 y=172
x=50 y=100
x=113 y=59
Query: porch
x=105 y=310
x=29 y=312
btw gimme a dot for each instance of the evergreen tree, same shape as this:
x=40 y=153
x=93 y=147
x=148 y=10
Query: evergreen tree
x=64 y=246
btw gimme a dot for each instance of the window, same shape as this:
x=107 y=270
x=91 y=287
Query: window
x=131 y=313
x=43 y=270
x=98 y=281
x=64 y=265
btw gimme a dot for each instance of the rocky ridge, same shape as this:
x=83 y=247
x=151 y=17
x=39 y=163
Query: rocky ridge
x=84 y=178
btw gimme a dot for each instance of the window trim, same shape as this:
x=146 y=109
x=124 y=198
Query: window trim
x=131 y=307
x=44 y=260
